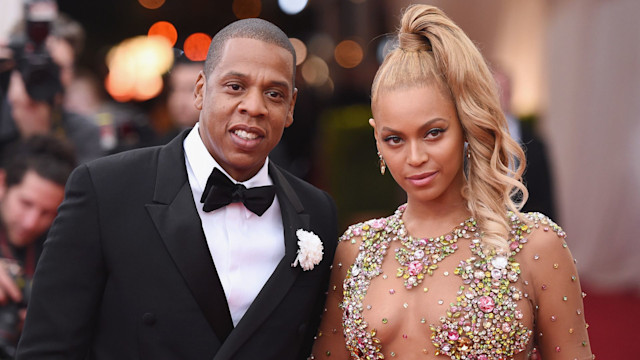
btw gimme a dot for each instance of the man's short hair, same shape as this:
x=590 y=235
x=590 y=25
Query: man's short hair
x=253 y=28
x=50 y=157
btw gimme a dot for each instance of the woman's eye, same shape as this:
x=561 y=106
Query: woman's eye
x=434 y=133
x=393 y=140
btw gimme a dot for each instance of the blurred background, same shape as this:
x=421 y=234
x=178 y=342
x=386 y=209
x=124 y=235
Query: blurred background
x=569 y=70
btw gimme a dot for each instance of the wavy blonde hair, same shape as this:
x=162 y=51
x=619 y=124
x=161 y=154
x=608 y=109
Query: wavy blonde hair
x=433 y=50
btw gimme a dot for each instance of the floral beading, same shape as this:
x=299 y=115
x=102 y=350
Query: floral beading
x=361 y=343
x=484 y=322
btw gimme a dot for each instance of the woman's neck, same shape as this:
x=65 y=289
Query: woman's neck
x=429 y=219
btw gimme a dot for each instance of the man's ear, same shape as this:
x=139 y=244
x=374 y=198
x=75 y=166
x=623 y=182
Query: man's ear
x=200 y=90
x=3 y=183
x=291 y=107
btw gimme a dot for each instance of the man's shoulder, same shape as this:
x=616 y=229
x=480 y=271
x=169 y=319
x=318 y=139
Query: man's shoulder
x=126 y=158
x=298 y=184
x=133 y=166
x=76 y=123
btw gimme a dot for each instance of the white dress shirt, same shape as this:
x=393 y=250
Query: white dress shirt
x=245 y=248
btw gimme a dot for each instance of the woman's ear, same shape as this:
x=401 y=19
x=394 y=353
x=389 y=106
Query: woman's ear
x=372 y=122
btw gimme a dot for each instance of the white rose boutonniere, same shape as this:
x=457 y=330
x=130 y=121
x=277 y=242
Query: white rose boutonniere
x=309 y=250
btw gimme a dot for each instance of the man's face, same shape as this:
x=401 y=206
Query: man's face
x=246 y=102
x=28 y=208
x=180 y=99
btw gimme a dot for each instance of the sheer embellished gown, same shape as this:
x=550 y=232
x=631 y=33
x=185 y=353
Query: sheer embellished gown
x=395 y=296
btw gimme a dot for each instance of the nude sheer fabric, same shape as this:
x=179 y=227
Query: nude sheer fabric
x=511 y=306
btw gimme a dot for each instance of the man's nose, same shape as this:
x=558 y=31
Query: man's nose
x=31 y=219
x=253 y=104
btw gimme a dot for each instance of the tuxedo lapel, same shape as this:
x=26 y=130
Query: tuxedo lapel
x=179 y=226
x=283 y=277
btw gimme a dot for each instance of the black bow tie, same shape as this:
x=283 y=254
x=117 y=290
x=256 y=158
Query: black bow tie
x=221 y=191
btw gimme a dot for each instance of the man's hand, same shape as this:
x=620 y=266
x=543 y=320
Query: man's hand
x=9 y=290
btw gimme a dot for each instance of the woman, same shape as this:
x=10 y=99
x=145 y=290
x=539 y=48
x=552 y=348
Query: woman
x=457 y=271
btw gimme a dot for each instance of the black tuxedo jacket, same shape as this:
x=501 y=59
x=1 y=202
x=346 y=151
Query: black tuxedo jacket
x=126 y=272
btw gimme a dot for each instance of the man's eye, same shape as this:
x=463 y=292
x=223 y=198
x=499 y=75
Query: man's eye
x=235 y=87
x=274 y=94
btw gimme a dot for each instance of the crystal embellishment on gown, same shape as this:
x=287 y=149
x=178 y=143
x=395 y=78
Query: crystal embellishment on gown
x=418 y=257
x=484 y=322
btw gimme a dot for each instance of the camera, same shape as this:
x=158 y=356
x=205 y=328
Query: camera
x=10 y=321
x=30 y=56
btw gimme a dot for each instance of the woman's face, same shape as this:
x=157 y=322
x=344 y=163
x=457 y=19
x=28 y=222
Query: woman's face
x=418 y=133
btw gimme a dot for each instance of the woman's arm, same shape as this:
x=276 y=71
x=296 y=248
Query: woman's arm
x=560 y=327
x=330 y=341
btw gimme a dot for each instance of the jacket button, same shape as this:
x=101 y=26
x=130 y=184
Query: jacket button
x=149 y=319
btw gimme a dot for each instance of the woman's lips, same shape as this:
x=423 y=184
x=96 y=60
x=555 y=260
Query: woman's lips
x=422 y=179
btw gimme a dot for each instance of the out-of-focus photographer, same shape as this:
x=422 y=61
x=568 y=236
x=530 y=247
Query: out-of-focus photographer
x=42 y=54
x=31 y=189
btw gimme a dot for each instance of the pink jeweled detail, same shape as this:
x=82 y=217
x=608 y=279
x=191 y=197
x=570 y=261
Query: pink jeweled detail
x=420 y=257
x=415 y=268
x=479 y=332
x=486 y=304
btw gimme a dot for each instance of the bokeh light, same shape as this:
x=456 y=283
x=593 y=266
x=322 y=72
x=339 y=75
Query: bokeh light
x=301 y=50
x=165 y=29
x=151 y=4
x=148 y=87
x=119 y=86
x=244 y=9
x=315 y=71
x=327 y=89
x=292 y=7
x=136 y=66
x=196 y=46
x=322 y=45
x=385 y=46
x=348 y=54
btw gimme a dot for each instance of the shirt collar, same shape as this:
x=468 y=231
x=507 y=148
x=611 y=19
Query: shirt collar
x=202 y=163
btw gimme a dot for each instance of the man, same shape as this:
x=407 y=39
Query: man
x=180 y=95
x=31 y=189
x=31 y=114
x=35 y=89
x=538 y=174
x=179 y=105
x=136 y=266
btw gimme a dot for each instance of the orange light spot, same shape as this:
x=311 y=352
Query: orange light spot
x=196 y=46
x=315 y=71
x=301 y=50
x=147 y=88
x=348 y=54
x=244 y=9
x=118 y=89
x=151 y=4
x=164 y=29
